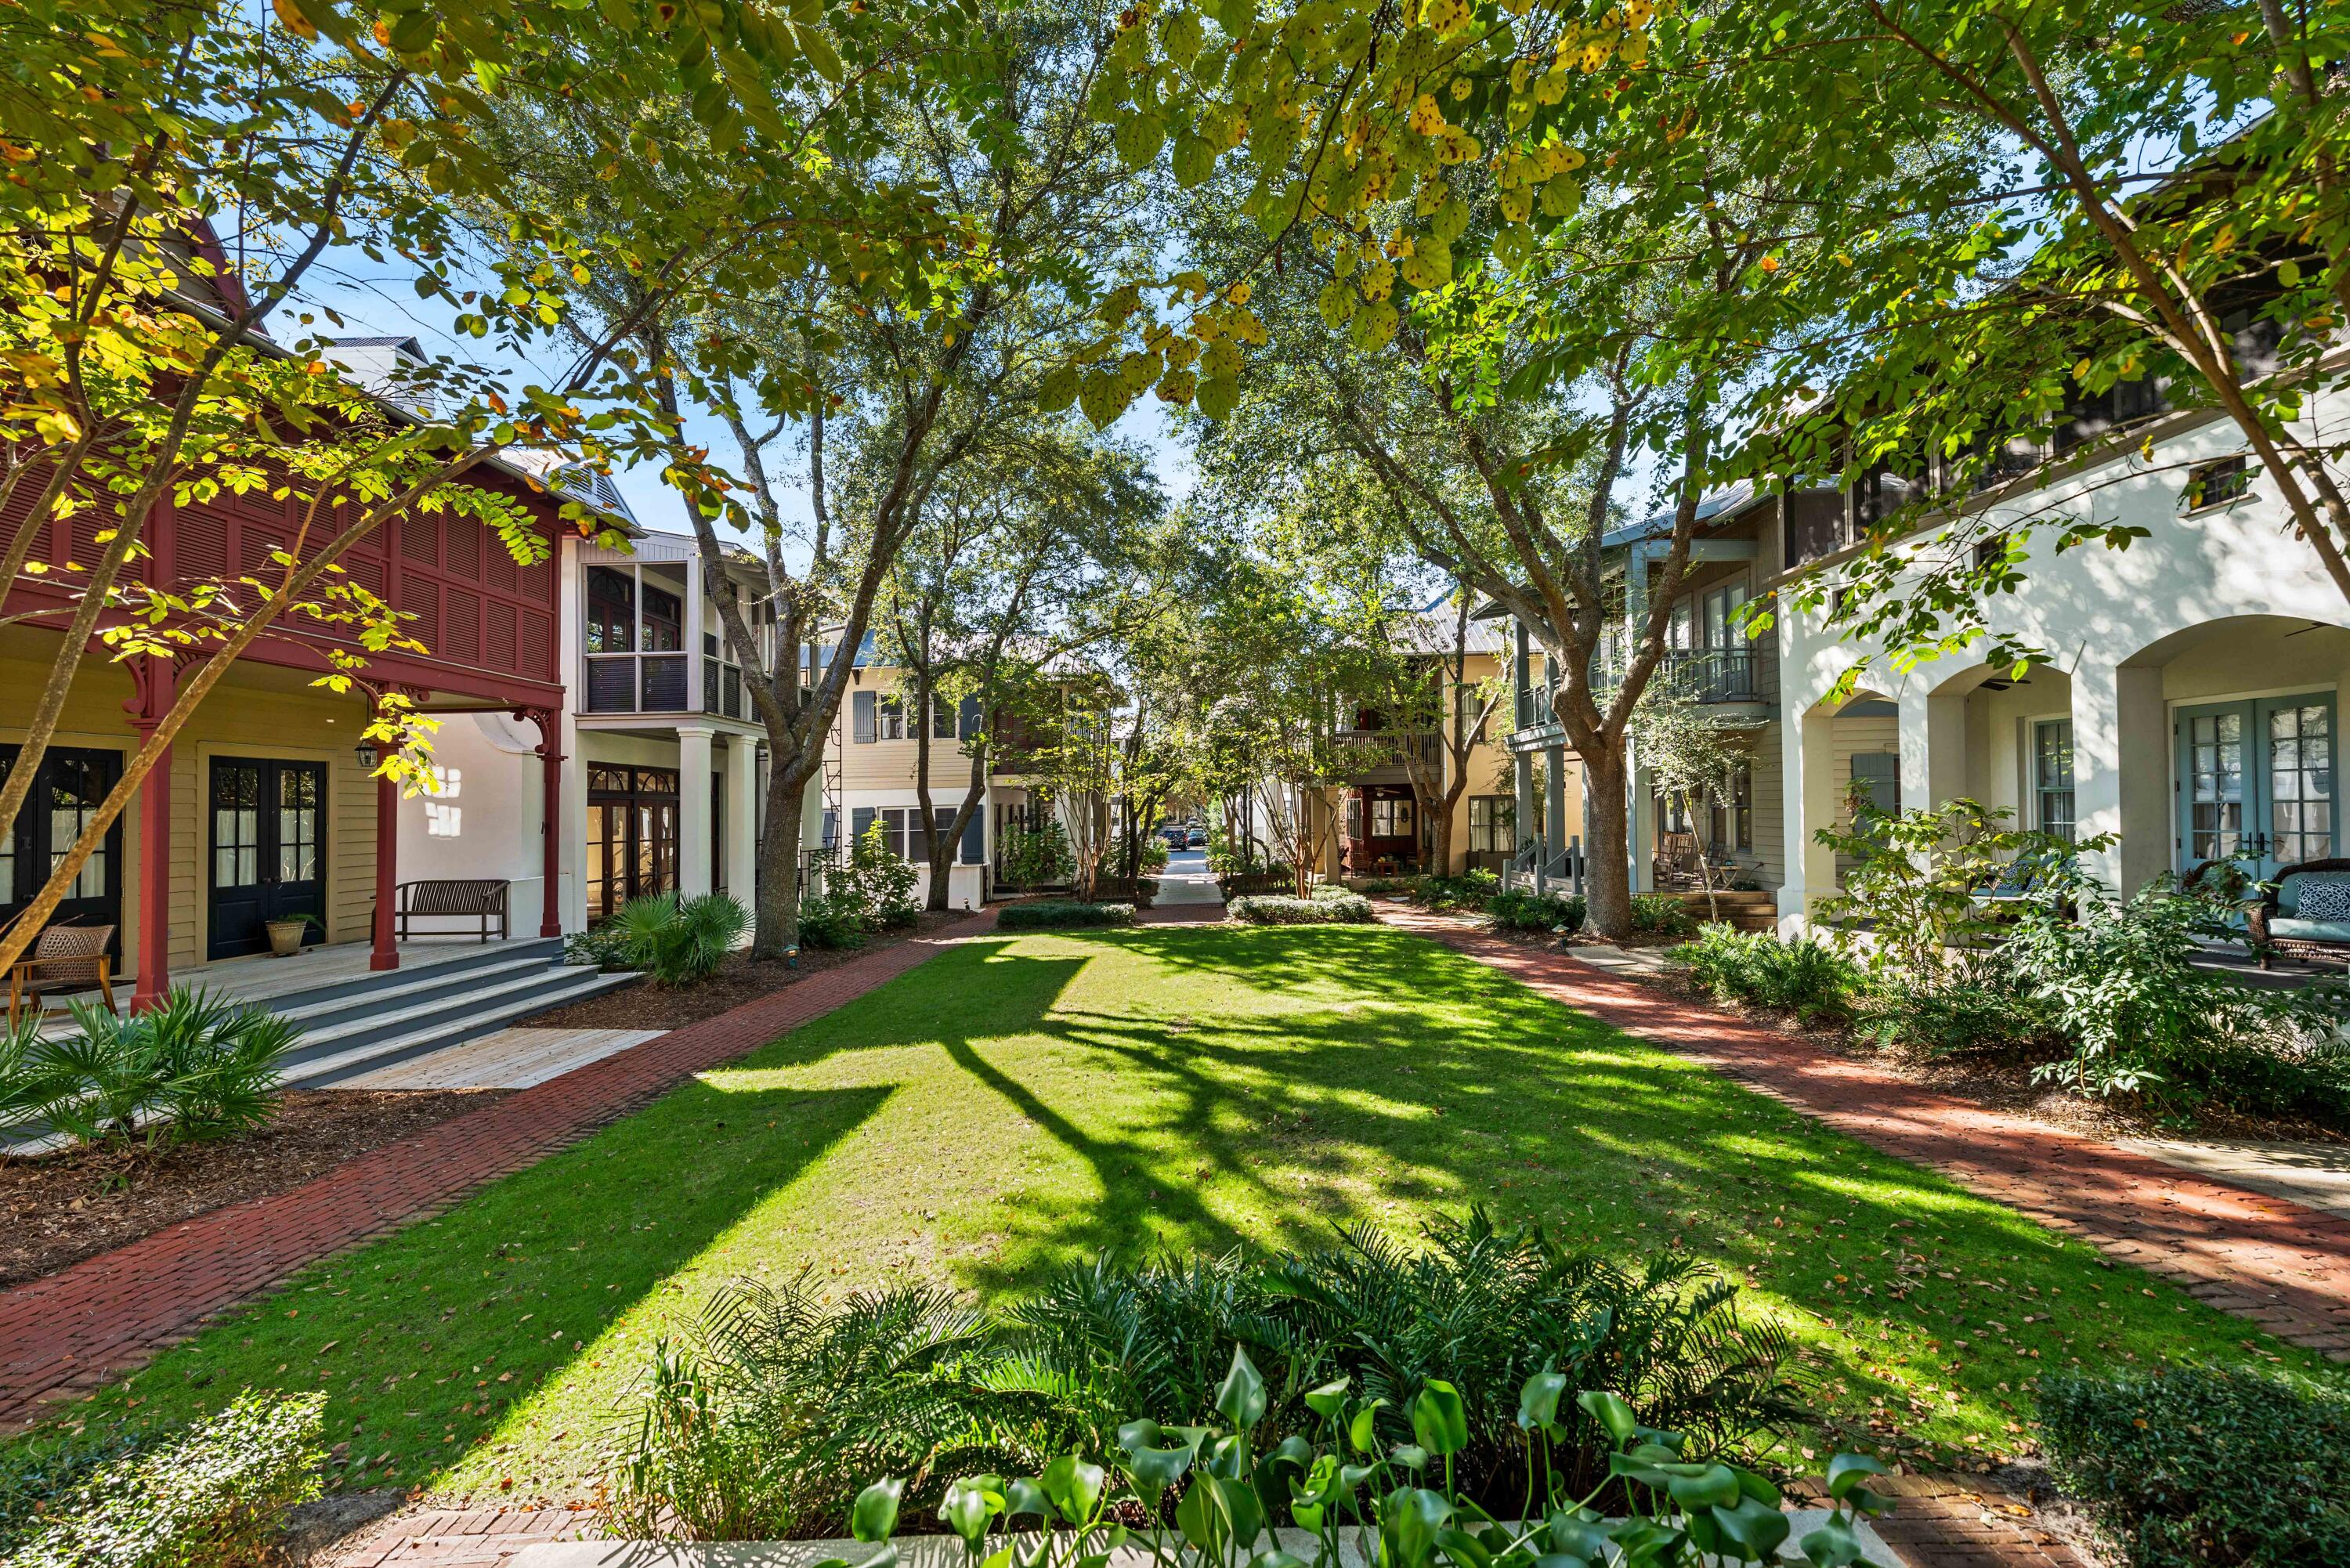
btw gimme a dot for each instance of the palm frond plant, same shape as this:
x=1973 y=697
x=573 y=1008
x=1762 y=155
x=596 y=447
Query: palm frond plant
x=191 y=1067
x=223 y=1062
x=679 y=943
x=27 y=1078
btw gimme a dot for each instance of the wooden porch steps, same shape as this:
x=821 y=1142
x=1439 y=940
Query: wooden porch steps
x=1740 y=911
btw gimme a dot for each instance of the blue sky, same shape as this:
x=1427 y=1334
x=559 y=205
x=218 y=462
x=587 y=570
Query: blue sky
x=381 y=301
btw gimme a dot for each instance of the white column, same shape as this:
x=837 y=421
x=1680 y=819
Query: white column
x=575 y=827
x=742 y=834
x=2121 y=770
x=1808 y=799
x=694 y=822
x=1641 y=827
x=1915 y=744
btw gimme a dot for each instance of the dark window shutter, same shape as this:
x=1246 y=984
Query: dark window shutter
x=862 y=704
x=1878 y=775
x=942 y=720
x=967 y=721
x=859 y=819
x=831 y=828
x=974 y=840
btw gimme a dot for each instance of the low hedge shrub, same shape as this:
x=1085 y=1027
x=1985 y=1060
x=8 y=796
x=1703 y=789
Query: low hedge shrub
x=1340 y=908
x=2194 y=1469
x=1471 y=890
x=1371 y=887
x=211 y=1495
x=1519 y=911
x=1062 y=913
x=1661 y=915
x=1806 y=977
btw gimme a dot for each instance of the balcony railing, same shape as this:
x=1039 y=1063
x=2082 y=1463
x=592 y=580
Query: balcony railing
x=658 y=683
x=1366 y=751
x=1703 y=674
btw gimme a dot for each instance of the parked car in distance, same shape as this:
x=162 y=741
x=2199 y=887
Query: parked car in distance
x=1176 y=837
x=1198 y=840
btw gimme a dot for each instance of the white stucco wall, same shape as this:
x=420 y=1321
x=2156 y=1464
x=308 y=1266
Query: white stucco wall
x=483 y=816
x=2220 y=604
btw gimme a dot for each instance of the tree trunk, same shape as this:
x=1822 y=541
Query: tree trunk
x=776 y=931
x=1704 y=866
x=1607 y=881
x=1440 y=840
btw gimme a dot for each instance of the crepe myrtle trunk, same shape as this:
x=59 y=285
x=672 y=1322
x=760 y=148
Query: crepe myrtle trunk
x=1607 y=867
x=1439 y=835
x=776 y=931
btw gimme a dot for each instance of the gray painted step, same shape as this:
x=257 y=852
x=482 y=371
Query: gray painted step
x=340 y=1023
x=436 y=1026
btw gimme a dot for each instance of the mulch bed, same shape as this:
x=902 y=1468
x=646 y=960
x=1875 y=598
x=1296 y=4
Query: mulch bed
x=1994 y=1083
x=740 y=979
x=62 y=1208
x=2000 y=1082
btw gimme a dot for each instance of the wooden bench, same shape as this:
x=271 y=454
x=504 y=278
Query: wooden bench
x=481 y=900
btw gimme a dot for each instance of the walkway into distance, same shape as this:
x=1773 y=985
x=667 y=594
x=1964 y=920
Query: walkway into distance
x=1021 y=1102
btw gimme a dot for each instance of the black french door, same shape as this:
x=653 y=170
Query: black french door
x=632 y=820
x=267 y=851
x=66 y=795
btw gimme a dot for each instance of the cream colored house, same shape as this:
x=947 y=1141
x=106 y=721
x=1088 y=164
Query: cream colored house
x=2188 y=702
x=872 y=765
x=1382 y=821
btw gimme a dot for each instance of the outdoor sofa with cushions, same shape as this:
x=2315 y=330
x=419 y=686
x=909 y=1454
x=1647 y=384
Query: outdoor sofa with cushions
x=2305 y=913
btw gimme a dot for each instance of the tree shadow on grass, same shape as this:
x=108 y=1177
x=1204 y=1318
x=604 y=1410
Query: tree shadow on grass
x=425 y=1340
x=1350 y=1066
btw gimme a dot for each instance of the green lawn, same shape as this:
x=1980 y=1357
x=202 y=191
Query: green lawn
x=1017 y=1102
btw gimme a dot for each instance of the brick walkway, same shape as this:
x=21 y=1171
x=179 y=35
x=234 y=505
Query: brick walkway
x=2284 y=1266
x=459 y=1537
x=70 y=1332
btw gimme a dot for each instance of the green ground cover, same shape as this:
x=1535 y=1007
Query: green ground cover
x=1020 y=1101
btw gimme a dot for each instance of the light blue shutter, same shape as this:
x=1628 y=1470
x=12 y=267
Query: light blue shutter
x=860 y=818
x=967 y=721
x=1876 y=777
x=862 y=705
x=974 y=839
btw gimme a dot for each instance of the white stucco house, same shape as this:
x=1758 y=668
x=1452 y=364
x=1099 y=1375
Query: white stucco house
x=2186 y=702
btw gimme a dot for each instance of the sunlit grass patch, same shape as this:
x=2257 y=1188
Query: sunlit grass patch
x=1014 y=1103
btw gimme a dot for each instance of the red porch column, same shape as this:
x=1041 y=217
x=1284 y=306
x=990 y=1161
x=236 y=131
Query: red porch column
x=387 y=872
x=157 y=687
x=550 y=756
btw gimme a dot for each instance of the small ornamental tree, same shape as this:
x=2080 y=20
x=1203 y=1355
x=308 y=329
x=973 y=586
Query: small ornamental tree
x=1691 y=758
x=177 y=179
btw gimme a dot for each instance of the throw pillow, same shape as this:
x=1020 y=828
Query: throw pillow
x=2324 y=897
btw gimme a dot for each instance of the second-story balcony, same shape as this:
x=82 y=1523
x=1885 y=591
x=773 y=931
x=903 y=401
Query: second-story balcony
x=1711 y=676
x=1359 y=752
x=643 y=621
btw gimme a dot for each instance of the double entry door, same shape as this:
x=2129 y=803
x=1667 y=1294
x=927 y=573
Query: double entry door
x=66 y=794
x=266 y=851
x=2256 y=781
x=632 y=820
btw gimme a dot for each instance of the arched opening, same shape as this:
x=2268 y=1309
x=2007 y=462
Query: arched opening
x=2239 y=719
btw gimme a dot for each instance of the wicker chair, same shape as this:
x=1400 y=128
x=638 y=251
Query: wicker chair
x=2275 y=924
x=65 y=958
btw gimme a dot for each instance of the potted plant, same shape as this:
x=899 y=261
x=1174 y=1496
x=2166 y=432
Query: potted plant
x=286 y=935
